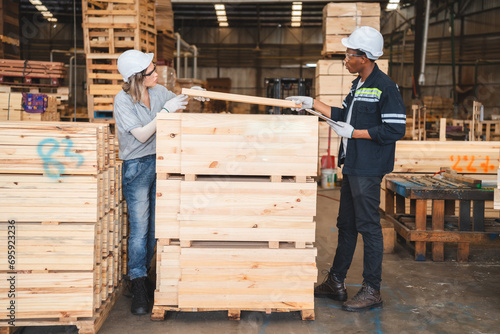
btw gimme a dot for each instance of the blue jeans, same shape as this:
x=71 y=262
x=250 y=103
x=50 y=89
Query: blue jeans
x=358 y=213
x=139 y=189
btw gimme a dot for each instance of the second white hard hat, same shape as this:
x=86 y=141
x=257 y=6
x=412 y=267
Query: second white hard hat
x=367 y=39
x=133 y=61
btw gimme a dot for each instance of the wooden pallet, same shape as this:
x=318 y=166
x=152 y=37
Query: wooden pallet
x=160 y=312
x=88 y=325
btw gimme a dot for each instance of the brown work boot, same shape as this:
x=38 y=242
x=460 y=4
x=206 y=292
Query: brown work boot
x=332 y=287
x=367 y=298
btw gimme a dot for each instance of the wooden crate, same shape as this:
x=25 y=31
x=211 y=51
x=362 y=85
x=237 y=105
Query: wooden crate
x=341 y=19
x=110 y=28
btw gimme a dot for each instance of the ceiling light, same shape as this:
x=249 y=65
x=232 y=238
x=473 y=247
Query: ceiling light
x=392 y=6
x=295 y=18
x=223 y=24
x=35 y=2
x=52 y=19
x=220 y=12
x=393 y=1
x=295 y=24
x=296 y=13
x=297 y=7
x=219 y=7
x=41 y=8
x=311 y=65
x=47 y=14
x=222 y=18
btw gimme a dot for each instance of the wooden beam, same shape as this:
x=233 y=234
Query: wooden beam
x=240 y=98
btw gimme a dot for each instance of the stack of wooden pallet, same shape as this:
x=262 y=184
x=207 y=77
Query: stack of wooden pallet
x=27 y=71
x=110 y=28
x=165 y=28
x=9 y=29
x=234 y=213
x=62 y=213
x=341 y=19
x=333 y=81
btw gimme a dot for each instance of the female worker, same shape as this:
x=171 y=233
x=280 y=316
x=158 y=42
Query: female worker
x=135 y=110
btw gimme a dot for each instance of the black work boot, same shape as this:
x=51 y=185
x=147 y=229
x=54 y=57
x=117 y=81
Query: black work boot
x=332 y=287
x=367 y=298
x=140 y=296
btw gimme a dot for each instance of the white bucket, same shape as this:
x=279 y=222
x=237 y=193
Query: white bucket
x=328 y=178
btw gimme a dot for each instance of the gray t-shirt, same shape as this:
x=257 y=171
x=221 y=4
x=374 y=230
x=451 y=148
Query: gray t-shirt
x=129 y=115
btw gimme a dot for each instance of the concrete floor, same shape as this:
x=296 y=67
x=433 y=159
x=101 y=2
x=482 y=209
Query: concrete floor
x=419 y=297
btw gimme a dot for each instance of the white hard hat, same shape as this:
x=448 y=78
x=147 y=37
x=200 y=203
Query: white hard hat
x=133 y=61
x=366 y=39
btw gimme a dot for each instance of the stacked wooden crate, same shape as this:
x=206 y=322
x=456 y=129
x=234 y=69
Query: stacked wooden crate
x=333 y=81
x=44 y=73
x=61 y=194
x=110 y=28
x=234 y=213
x=341 y=19
x=165 y=28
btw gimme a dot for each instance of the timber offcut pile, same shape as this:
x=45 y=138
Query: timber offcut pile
x=110 y=28
x=234 y=213
x=341 y=19
x=63 y=216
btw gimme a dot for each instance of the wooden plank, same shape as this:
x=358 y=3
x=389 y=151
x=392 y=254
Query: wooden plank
x=240 y=98
x=438 y=225
x=420 y=225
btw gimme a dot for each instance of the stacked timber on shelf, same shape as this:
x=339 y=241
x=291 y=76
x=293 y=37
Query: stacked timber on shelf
x=333 y=81
x=9 y=29
x=438 y=106
x=234 y=213
x=31 y=72
x=341 y=19
x=61 y=195
x=476 y=159
x=11 y=108
x=110 y=28
x=165 y=28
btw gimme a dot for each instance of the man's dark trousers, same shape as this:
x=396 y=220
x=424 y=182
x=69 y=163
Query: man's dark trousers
x=358 y=213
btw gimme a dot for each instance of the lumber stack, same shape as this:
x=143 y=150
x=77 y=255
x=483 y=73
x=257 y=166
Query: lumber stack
x=234 y=213
x=165 y=28
x=110 y=28
x=333 y=81
x=11 y=108
x=438 y=106
x=61 y=193
x=477 y=159
x=46 y=73
x=341 y=19
x=9 y=29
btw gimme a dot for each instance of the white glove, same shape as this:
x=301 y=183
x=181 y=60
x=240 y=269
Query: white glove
x=200 y=98
x=342 y=128
x=307 y=102
x=178 y=102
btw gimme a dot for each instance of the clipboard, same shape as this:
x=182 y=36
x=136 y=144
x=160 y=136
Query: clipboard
x=320 y=115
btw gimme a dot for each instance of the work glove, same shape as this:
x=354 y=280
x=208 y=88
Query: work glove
x=178 y=102
x=200 y=98
x=307 y=102
x=343 y=129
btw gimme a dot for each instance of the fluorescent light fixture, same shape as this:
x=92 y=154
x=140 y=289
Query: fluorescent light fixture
x=295 y=24
x=296 y=13
x=392 y=6
x=220 y=12
x=393 y=1
x=311 y=65
x=222 y=18
x=295 y=18
x=223 y=24
x=297 y=7
x=41 y=8
x=35 y=2
x=219 y=7
x=52 y=19
x=47 y=14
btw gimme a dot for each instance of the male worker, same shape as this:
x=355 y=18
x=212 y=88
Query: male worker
x=371 y=120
